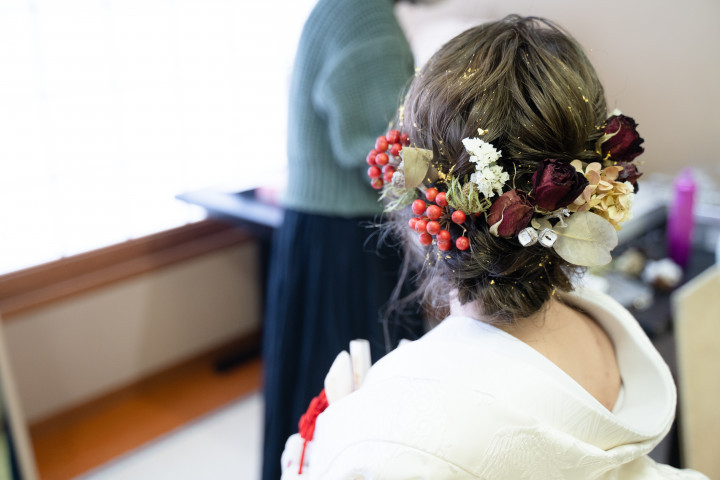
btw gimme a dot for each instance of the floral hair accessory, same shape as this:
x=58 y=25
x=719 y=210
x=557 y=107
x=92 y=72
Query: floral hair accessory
x=385 y=158
x=510 y=214
x=621 y=141
x=556 y=184
x=573 y=207
x=606 y=193
x=489 y=176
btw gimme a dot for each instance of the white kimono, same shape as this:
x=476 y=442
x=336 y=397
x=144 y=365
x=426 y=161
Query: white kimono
x=469 y=401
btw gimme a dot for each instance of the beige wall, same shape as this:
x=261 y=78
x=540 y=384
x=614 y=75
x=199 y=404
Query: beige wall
x=82 y=347
x=658 y=59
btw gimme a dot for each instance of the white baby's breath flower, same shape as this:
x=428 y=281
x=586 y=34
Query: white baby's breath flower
x=490 y=180
x=472 y=145
x=489 y=177
x=481 y=151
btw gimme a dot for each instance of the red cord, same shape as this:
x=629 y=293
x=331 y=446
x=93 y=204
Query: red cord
x=302 y=457
x=307 y=422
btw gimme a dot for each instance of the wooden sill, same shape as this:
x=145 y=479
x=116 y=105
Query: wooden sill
x=35 y=287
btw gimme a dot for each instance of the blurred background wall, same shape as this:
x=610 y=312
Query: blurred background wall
x=657 y=59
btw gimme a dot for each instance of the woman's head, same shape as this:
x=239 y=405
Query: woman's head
x=522 y=79
x=529 y=90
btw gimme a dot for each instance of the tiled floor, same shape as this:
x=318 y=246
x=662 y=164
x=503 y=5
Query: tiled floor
x=225 y=444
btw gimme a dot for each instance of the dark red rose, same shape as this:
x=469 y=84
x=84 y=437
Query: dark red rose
x=513 y=210
x=621 y=142
x=556 y=184
x=629 y=173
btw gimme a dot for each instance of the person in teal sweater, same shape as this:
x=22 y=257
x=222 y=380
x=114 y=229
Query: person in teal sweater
x=329 y=279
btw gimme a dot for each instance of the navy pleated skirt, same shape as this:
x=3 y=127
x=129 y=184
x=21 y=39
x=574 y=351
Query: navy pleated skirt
x=328 y=283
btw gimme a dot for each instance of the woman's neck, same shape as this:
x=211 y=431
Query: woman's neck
x=533 y=322
x=570 y=339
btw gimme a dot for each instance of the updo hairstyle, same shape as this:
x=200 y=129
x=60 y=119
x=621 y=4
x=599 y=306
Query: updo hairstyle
x=529 y=84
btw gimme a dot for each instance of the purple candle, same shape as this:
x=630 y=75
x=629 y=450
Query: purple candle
x=680 y=219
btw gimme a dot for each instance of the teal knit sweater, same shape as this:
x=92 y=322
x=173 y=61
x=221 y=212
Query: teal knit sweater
x=352 y=65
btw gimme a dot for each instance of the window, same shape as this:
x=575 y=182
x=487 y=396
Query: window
x=111 y=108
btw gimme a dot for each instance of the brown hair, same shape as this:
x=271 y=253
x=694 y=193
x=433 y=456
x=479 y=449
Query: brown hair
x=532 y=88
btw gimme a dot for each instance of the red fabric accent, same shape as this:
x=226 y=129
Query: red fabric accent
x=306 y=426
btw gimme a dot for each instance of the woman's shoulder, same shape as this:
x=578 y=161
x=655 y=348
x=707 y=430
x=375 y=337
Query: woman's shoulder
x=468 y=400
x=463 y=351
x=454 y=336
x=445 y=386
x=405 y=419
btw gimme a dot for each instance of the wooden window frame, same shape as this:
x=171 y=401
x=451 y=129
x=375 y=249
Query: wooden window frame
x=34 y=287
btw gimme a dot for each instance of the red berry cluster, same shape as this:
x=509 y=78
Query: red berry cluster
x=429 y=219
x=385 y=158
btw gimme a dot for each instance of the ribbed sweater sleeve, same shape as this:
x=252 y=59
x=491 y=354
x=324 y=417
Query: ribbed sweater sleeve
x=355 y=91
x=352 y=66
